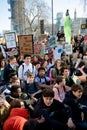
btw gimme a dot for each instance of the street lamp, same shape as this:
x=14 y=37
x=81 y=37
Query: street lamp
x=52 y=16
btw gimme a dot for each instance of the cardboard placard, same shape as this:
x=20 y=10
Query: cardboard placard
x=25 y=43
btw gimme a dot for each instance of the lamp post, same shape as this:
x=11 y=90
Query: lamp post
x=52 y=17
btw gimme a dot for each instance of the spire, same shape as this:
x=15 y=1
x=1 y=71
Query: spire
x=75 y=14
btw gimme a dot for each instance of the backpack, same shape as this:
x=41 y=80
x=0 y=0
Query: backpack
x=23 y=68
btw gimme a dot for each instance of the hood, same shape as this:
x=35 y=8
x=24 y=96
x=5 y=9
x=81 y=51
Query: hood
x=19 y=112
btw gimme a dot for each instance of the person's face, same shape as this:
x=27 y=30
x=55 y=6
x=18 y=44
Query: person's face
x=66 y=73
x=45 y=64
x=46 y=57
x=17 y=94
x=58 y=63
x=77 y=94
x=75 y=55
x=27 y=60
x=48 y=101
x=41 y=73
x=22 y=104
x=79 y=38
x=35 y=58
x=37 y=66
x=2 y=63
x=13 y=61
x=17 y=82
x=31 y=79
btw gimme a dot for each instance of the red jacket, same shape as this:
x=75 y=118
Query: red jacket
x=16 y=119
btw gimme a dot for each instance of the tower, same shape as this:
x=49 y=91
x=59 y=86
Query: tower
x=85 y=5
x=17 y=15
x=75 y=14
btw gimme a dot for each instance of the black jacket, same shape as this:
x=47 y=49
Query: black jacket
x=57 y=110
x=7 y=72
x=74 y=104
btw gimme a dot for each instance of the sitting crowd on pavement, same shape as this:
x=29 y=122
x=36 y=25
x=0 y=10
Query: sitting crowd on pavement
x=39 y=92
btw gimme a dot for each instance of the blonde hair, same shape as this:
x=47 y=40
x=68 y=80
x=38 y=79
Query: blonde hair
x=4 y=112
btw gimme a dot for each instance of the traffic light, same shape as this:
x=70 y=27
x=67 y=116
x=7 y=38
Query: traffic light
x=84 y=26
x=42 y=26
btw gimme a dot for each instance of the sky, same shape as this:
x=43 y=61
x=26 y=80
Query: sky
x=63 y=5
x=58 y=6
x=4 y=16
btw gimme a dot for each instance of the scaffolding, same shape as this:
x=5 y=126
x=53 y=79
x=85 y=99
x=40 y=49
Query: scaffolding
x=17 y=15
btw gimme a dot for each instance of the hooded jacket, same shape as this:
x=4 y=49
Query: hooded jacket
x=16 y=119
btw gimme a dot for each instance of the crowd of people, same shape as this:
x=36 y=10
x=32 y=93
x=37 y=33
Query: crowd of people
x=38 y=92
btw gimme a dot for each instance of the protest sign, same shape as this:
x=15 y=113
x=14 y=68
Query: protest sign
x=25 y=43
x=57 y=52
x=68 y=49
x=10 y=39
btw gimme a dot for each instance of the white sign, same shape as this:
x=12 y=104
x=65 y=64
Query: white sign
x=57 y=52
x=10 y=40
x=68 y=49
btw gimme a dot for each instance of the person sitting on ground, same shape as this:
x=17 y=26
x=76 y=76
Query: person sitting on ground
x=16 y=119
x=41 y=79
x=4 y=110
x=65 y=72
x=13 y=81
x=16 y=92
x=31 y=87
x=37 y=65
x=60 y=88
x=31 y=125
x=81 y=72
x=72 y=99
x=51 y=113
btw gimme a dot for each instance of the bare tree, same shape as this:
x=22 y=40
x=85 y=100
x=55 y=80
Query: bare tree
x=27 y=15
x=35 y=10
